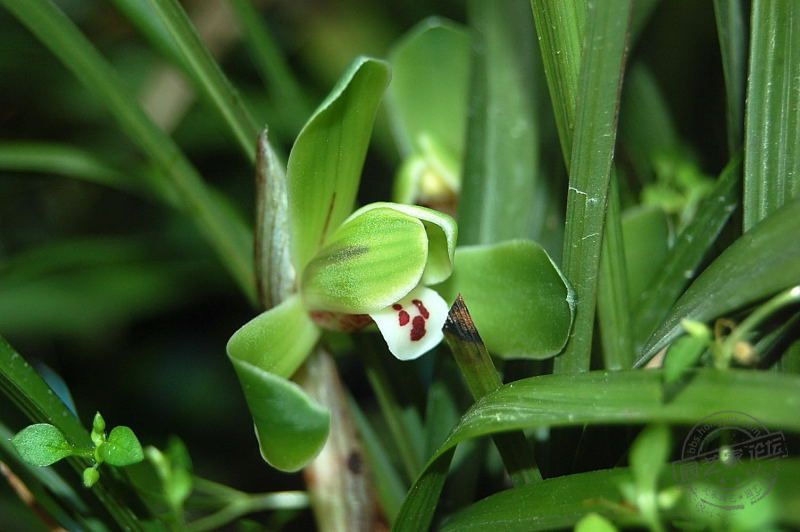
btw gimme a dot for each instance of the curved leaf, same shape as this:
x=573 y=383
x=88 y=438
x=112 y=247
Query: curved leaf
x=520 y=302
x=557 y=503
x=619 y=397
x=291 y=428
x=371 y=261
x=325 y=163
x=761 y=262
x=428 y=92
x=442 y=234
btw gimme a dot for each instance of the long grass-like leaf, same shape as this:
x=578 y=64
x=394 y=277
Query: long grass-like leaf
x=763 y=261
x=212 y=80
x=560 y=502
x=223 y=228
x=772 y=129
x=502 y=194
x=628 y=397
x=560 y=27
x=590 y=167
x=613 y=305
x=692 y=245
x=285 y=90
x=733 y=45
x=67 y=161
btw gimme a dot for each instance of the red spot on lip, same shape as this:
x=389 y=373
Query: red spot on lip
x=422 y=310
x=403 y=317
x=417 y=328
x=397 y=306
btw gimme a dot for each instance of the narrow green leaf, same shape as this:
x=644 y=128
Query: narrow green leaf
x=428 y=92
x=326 y=160
x=225 y=231
x=733 y=45
x=629 y=397
x=145 y=19
x=613 y=292
x=391 y=489
x=590 y=167
x=42 y=444
x=67 y=161
x=772 y=129
x=558 y=503
x=653 y=301
x=561 y=28
x=122 y=448
x=373 y=260
x=520 y=301
x=212 y=81
x=757 y=265
x=283 y=87
x=502 y=192
x=291 y=428
x=402 y=420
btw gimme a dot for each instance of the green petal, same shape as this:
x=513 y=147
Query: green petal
x=521 y=304
x=291 y=427
x=442 y=234
x=375 y=258
x=428 y=93
x=278 y=340
x=325 y=163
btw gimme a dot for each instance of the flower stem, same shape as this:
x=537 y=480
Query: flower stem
x=482 y=378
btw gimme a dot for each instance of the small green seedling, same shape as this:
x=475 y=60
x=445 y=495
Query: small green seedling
x=43 y=444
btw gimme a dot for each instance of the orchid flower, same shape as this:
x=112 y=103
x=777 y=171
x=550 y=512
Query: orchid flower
x=427 y=103
x=345 y=269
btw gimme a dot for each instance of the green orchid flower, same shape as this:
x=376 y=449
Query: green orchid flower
x=427 y=105
x=350 y=268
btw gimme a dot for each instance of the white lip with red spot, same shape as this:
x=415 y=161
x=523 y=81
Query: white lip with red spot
x=413 y=325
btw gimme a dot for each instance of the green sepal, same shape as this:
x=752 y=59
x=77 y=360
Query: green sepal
x=442 y=233
x=42 y=444
x=430 y=79
x=374 y=259
x=278 y=340
x=291 y=428
x=522 y=305
x=324 y=167
x=122 y=448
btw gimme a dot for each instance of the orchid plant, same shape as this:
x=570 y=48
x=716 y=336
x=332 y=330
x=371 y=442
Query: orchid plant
x=323 y=266
x=348 y=269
